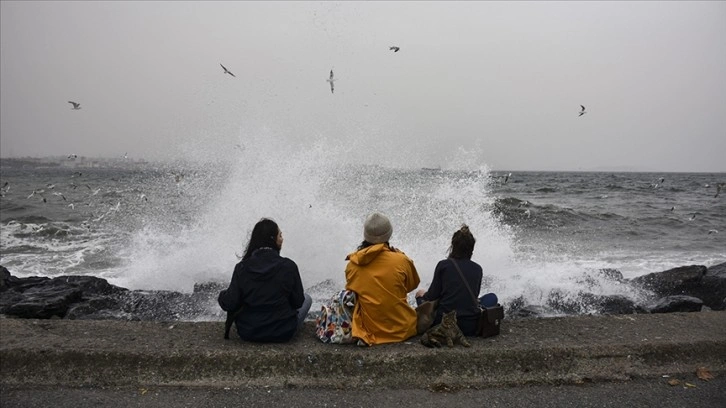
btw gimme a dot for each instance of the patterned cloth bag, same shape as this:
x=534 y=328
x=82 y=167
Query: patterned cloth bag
x=334 y=323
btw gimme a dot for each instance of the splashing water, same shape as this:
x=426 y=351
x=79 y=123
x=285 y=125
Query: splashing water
x=319 y=195
x=196 y=216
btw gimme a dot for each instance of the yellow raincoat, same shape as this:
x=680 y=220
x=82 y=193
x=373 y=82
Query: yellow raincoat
x=382 y=277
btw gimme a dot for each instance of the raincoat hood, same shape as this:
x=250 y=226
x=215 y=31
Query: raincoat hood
x=381 y=277
x=367 y=255
x=262 y=262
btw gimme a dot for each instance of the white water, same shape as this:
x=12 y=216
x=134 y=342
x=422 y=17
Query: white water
x=320 y=193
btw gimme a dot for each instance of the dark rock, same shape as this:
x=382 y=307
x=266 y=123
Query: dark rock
x=694 y=280
x=98 y=306
x=210 y=288
x=512 y=307
x=9 y=298
x=91 y=286
x=678 y=303
x=610 y=304
x=712 y=291
x=612 y=274
x=44 y=303
x=590 y=303
x=43 y=298
x=666 y=282
x=4 y=276
x=105 y=315
x=563 y=303
x=717 y=270
x=8 y=281
x=594 y=279
x=531 y=311
x=87 y=297
x=162 y=305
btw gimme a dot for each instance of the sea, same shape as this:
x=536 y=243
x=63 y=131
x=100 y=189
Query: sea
x=170 y=224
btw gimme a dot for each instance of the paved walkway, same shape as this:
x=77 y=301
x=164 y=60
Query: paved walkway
x=570 y=350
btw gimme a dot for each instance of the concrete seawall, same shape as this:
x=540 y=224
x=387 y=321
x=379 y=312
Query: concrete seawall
x=534 y=351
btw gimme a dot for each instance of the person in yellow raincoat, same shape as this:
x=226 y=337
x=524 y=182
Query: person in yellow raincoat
x=382 y=277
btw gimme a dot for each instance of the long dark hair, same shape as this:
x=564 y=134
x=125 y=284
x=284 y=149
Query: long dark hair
x=264 y=234
x=462 y=244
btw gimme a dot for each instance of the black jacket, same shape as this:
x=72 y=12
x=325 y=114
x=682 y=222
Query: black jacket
x=268 y=288
x=453 y=294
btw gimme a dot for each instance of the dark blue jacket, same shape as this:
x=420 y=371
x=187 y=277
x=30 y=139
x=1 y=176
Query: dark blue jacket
x=268 y=288
x=449 y=288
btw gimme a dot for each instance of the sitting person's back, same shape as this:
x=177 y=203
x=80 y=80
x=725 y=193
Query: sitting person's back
x=456 y=284
x=266 y=294
x=382 y=277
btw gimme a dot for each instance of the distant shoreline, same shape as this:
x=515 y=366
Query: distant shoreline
x=84 y=161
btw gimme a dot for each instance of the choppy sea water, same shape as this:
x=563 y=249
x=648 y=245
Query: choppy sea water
x=167 y=226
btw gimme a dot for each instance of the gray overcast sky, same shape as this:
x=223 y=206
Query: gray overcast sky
x=502 y=81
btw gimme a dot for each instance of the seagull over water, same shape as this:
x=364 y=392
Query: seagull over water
x=76 y=106
x=226 y=71
x=331 y=80
x=394 y=48
x=582 y=112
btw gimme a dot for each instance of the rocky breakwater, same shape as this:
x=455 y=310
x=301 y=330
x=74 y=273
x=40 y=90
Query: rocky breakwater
x=91 y=298
x=683 y=289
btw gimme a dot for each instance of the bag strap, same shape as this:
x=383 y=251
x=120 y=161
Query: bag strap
x=471 y=292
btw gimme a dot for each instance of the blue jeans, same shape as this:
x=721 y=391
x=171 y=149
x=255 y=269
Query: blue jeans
x=302 y=313
x=488 y=300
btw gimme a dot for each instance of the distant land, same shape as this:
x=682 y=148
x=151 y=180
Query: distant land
x=83 y=161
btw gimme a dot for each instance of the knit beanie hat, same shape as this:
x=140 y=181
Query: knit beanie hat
x=377 y=228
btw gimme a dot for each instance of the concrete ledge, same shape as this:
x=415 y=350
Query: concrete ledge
x=538 y=351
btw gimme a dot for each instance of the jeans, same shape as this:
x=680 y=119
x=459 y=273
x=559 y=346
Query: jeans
x=488 y=300
x=302 y=313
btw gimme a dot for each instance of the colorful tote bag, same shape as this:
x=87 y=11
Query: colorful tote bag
x=334 y=323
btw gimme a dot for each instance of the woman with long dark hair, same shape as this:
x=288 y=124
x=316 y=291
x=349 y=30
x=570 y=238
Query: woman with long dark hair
x=457 y=282
x=266 y=293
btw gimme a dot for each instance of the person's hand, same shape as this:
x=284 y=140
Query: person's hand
x=420 y=293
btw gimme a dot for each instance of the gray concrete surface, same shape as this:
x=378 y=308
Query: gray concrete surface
x=630 y=394
x=585 y=350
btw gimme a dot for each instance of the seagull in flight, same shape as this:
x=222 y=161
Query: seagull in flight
x=76 y=106
x=226 y=71
x=394 y=48
x=582 y=112
x=331 y=80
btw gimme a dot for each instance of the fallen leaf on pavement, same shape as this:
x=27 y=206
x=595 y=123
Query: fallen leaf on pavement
x=689 y=385
x=674 y=381
x=704 y=374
